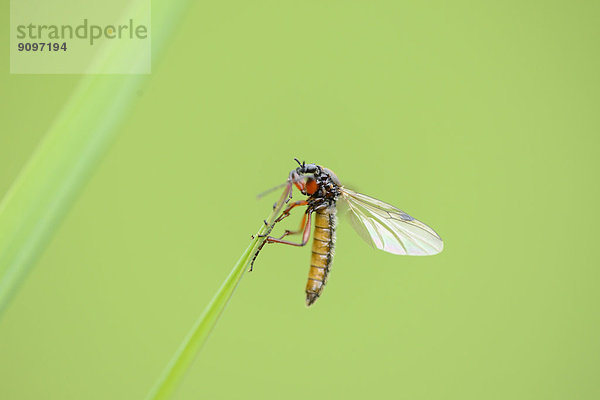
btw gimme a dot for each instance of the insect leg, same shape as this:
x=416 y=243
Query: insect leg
x=300 y=229
x=286 y=213
x=305 y=234
x=269 y=239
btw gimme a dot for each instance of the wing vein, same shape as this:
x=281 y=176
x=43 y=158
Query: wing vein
x=389 y=228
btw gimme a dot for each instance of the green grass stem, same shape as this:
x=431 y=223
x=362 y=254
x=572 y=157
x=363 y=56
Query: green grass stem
x=192 y=343
x=55 y=174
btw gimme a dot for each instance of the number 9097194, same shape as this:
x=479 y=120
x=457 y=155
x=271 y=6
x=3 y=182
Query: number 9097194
x=42 y=46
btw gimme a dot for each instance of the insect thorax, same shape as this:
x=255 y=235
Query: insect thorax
x=328 y=188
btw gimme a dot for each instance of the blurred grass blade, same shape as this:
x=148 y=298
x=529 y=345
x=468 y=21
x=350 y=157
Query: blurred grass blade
x=191 y=345
x=45 y=189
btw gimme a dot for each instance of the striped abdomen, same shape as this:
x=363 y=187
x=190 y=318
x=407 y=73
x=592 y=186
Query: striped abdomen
x=322 y=253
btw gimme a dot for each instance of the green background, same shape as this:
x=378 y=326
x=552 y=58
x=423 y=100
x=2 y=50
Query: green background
x=479 y=118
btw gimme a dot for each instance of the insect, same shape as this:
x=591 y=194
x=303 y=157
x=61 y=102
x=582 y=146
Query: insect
x=380 y=224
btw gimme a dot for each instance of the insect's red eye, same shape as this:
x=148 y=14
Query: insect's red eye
x=311 y=186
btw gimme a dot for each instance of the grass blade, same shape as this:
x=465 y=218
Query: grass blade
x=191 y=345
x=46 y=188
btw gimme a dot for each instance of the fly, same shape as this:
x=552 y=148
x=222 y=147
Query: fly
x=380 y=224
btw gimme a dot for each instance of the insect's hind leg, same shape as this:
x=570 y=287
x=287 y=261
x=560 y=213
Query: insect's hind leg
x=300 y=229
x=305 y=233
x=269 y=239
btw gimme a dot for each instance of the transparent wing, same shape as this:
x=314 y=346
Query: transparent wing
x=388 y=228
